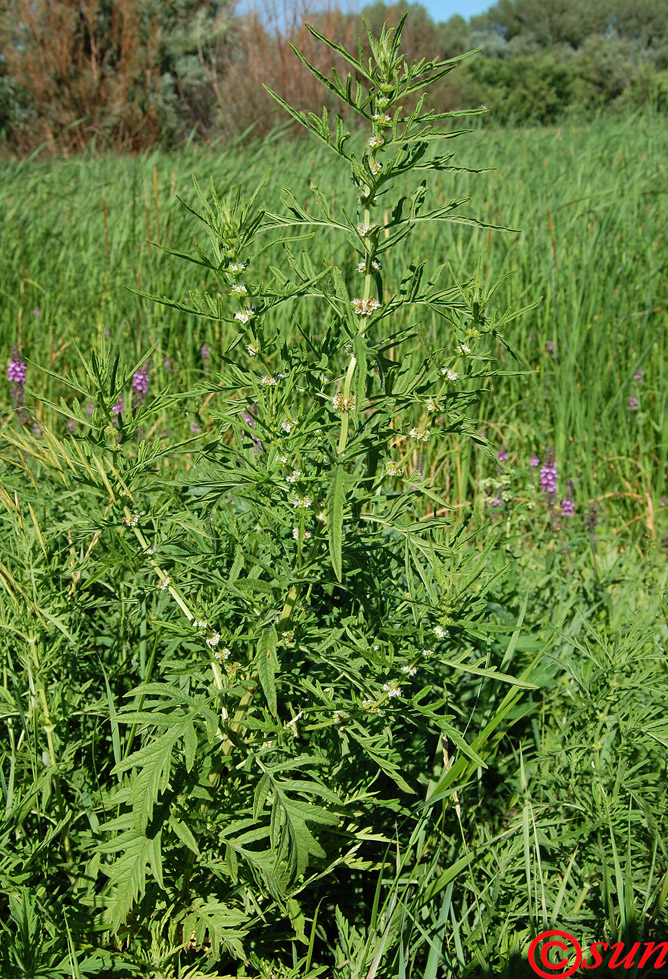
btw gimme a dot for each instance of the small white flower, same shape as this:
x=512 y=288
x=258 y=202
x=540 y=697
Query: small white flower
x=244 y=316
x=370 y=705
x=382 y=119
x=164 y=583
x=294 y=476
x=266 y=745
x=236 y=268
x=306 y=535
x=449 y=374
x=431 y=405
x=239 y=288
x=365 y=229
x=409 y=670
x=253 y=349
x=392 y=468
x=321 y=517
x=340 y=717
x=222 y=654
x=375 y=142
x=200 y=624
x=365 y=307
x=439 y=632
x=152 y=549
x=283 y=460
x=376 y=267
x=420 y=436
x=464 y=348
x=286 y=425
x=132 y=520
x=287 y=635
x=269 y=380
x=382 y=101
x=427 y=652
x=376 y=167
x=343 y=404
x=392 y=689
x=213 y=640
x=301 y=502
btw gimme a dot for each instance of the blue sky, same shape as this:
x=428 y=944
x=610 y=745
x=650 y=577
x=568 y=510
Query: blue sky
x=444 y=9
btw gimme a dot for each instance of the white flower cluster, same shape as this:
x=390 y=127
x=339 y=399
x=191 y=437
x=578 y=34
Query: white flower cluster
x=428 y=652
x=244 y=316
x=269 y=381
x=376 y=267
x=464 y=348
x=236 y=268
x=431 y=405
x=239 y=288
x=376 y=167
x=301 y=502
x=253 y=349
x=449 y=374
x=286 y=425
x=382 y=119
x=164 y=583
x=365 y=229
x=293 y=477
x=365 y=307
x=343 y=404
x=295 y=534
x=392 y=688
x=440 y=632
x=393 y=468
x=420 y=435
x=132 y=520
x=409 y=670
x=340 y=717
x=375 y=142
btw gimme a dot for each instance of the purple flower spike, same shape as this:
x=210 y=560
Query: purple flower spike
x=568 y=506
x=639 y=375
x=90 y=409
x=17 y=370
x=534 y=461
x=140 y=383
x=548 y=474
x=633 y=403
x=497 y=501
x=195 y=428
x=118 y=407
x=205 y=351
x=502 y=454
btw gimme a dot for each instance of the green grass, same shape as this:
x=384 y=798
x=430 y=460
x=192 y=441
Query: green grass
x=590 y=206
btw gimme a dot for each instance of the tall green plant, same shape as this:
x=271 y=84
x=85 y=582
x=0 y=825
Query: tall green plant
x=301 y=613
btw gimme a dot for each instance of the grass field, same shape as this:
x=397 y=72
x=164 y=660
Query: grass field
x=545 y=805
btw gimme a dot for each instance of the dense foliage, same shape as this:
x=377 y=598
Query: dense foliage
x=313 y=661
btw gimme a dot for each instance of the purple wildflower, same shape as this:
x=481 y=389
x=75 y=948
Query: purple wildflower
x=205 y=351
x=639 y=375
x=167 y=363
x=534 y=461
x=497 y=501
x=71 y=425
x=195 y=428
x=633 y=403
x=37 y=312
x=548 y=474
x=90 y=409
x=17 y=370
x=568 y=506
x=36 y=430
x=140 y=383
x=416 y=474
x=118 y=407
x=502 y=454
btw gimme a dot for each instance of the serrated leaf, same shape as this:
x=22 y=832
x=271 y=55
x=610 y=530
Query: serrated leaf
x=337 y=500
x=266 y=663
